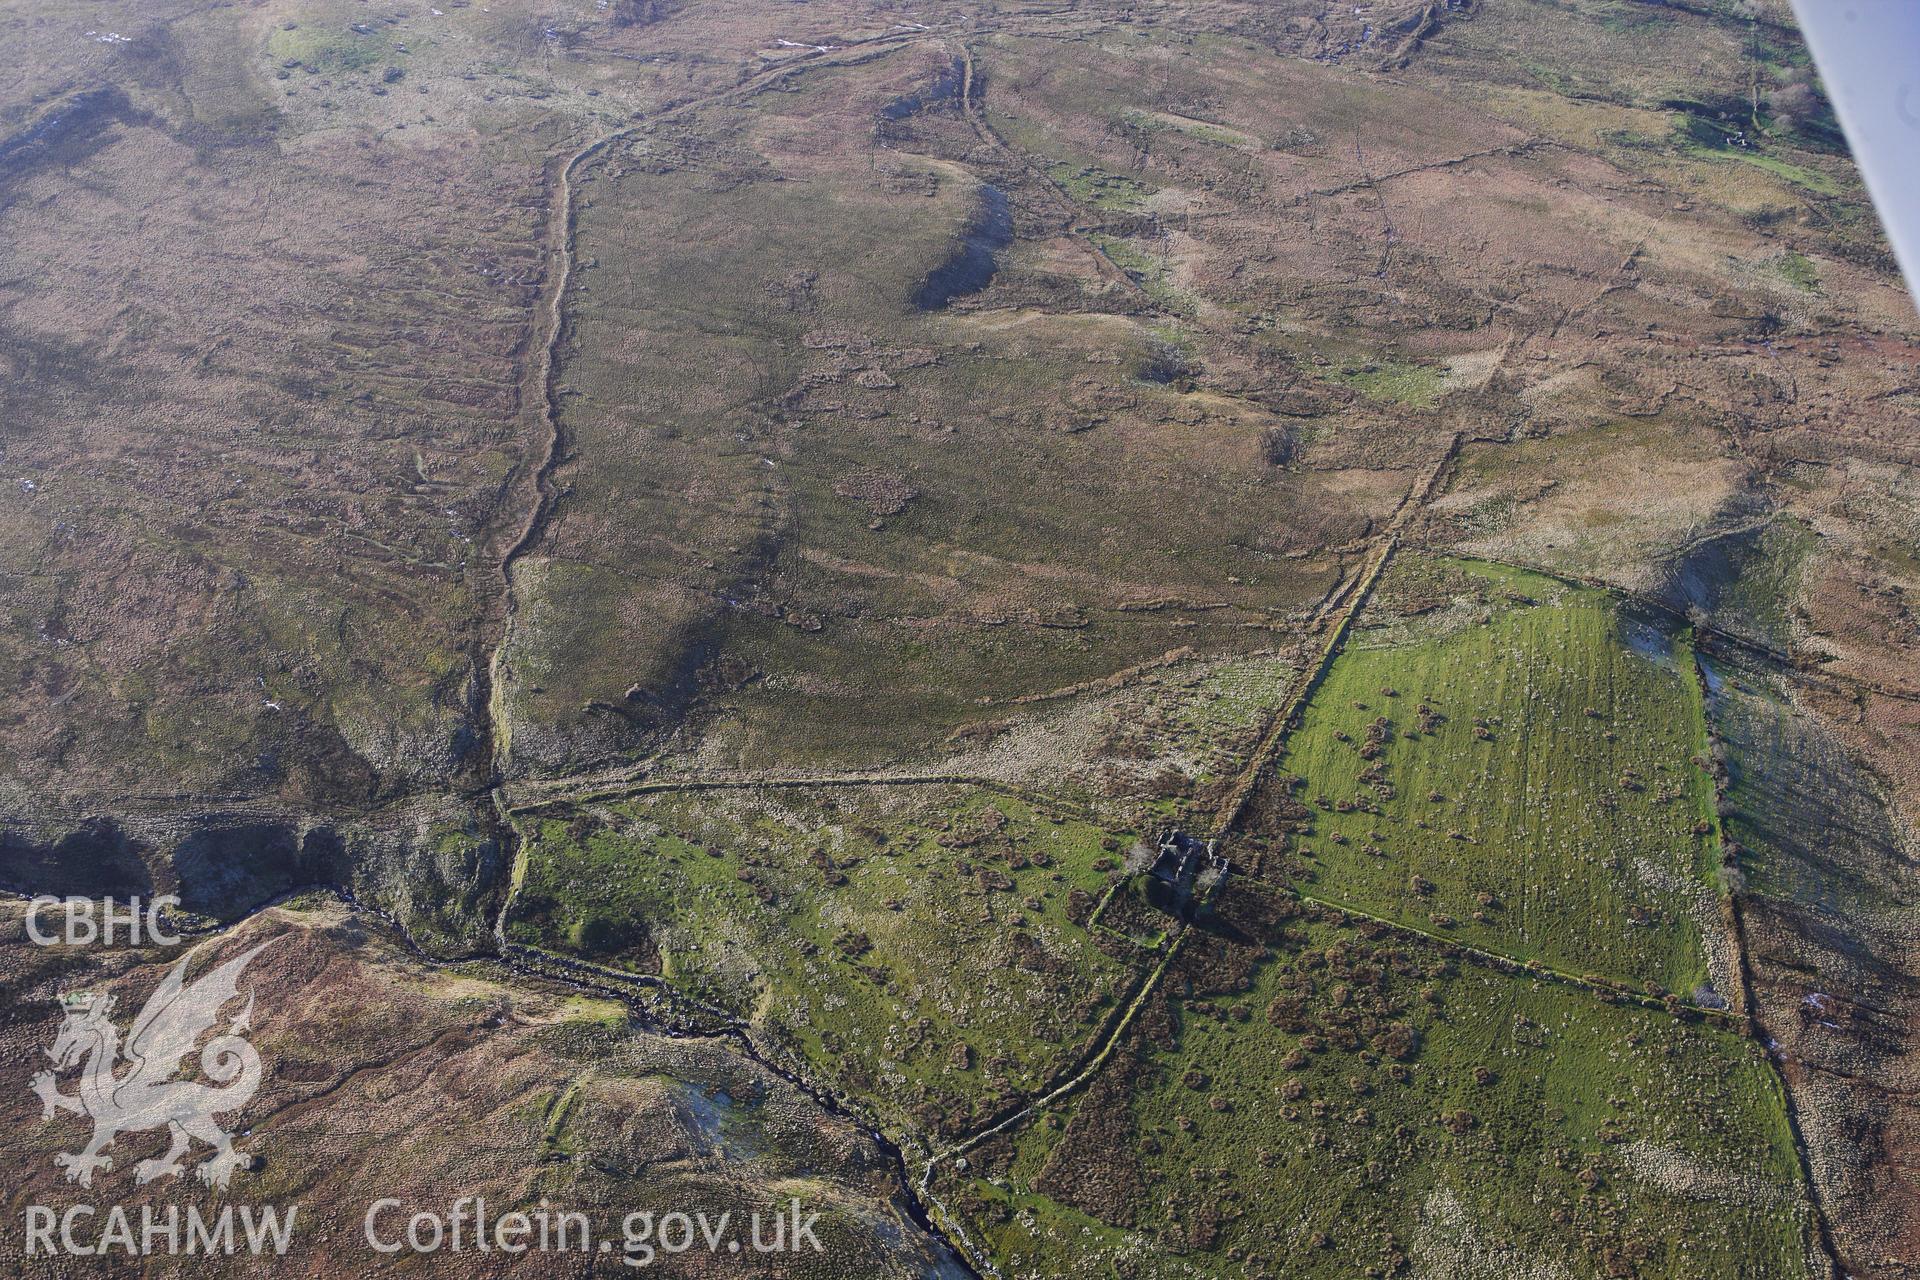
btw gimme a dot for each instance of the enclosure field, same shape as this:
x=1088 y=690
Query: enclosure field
x=922 y=945
x=1516 y=762
x=1310 y=1101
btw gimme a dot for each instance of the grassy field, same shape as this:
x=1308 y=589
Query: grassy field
x=923 y=947
x=1396 y=382
x=1514 y=767
x=1097 y=189
x=1331 y=1106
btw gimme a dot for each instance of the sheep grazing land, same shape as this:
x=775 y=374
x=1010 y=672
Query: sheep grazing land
x=926 y=950
x=1518 y=765
x=1358 y=1105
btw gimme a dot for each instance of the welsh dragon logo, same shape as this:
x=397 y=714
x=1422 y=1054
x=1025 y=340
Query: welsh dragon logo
x=146 y=1095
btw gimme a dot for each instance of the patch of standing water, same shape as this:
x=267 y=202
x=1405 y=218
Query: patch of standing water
x=1646 y=637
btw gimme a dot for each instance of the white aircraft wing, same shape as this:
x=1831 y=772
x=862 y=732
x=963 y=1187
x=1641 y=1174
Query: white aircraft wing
x=1868 y=52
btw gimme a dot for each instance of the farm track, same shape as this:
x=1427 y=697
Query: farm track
x=789 y=781
x=1348 y=606
x=1064 y=207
